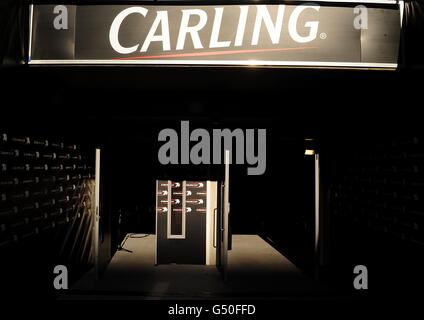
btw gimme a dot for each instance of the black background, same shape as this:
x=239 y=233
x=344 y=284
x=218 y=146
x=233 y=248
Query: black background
x=351 y=114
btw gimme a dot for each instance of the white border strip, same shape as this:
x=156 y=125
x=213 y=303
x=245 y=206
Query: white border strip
x=97 y=214
x=226 y=214
x=168 y=213
x=184 y=211
x=221 y=62
x=352 y=1
x=170 y=235
x=156 y=223
x=31 y=18
x=208 y=222
x=317 y=211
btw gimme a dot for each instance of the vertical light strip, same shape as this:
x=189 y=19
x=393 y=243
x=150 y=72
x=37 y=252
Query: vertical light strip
x=97 y=214
x=183 y=213
x=401 y=11
x=31 y=17
x=226 y=213
x=317 y=222
x=208 y=222
x=168 y=213
x=401 y=8
x=169 y=233
x=156 y=226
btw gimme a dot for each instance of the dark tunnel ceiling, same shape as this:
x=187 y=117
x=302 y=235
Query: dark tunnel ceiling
x=296 y=101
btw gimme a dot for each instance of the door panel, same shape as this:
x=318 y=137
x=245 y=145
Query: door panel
x=181 y=222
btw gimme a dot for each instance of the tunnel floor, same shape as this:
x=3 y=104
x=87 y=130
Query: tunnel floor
x=256 y=270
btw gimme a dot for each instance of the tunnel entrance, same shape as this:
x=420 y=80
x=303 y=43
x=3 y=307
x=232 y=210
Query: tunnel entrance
x=183 y=224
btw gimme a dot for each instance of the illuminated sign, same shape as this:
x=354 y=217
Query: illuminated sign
x=294 y=35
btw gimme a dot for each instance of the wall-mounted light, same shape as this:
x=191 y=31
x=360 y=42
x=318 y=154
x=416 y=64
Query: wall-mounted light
x=309 y=152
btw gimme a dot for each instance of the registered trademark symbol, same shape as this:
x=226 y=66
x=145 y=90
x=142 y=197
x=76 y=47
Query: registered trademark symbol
x=323 y=35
